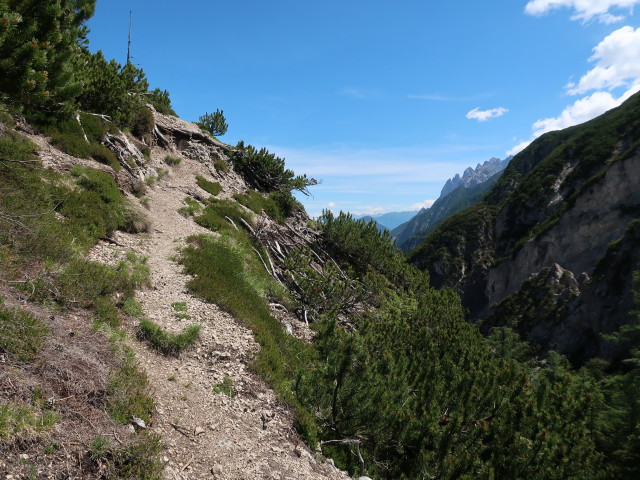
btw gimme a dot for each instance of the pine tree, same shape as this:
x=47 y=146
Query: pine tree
x=38 y=41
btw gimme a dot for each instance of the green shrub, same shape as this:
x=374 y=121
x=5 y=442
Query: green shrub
x=220 y=165
x=128 y=391
x=137 y=459
x=142 y=124
x=214 y=188
x=98 y=208
x=106 y=312
x=173 y=161
x=132 y=307
x=214 y=215
x=161 y=102
x=266 y=171
x=278 y=205
x=166 y=342
x=103 y=155
x=17 y=148
x=146 y=153
x=191 y=209
x=22 y=335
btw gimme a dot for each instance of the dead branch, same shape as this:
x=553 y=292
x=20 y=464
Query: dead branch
x=232 y=222
x=180 y=429
x=247 y=226
x=82 y=128
x=262 y=260
x=160 y=138
x=349 y=441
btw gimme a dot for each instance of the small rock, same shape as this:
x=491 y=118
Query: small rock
x=198 y=431
x=216 y=470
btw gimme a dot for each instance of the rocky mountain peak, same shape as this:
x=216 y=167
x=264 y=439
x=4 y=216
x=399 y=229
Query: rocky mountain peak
x=471 y=177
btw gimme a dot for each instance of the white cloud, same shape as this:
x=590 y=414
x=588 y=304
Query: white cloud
x=618 y=62
x=484 y=115
x=370 y=210
x=519 y=147
x=585 y=10
x=331 y=204
x=421 y=205
x=578 y=112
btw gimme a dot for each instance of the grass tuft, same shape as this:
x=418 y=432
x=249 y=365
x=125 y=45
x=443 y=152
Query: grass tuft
x=166 y=342
x=128 y=391
x=173 y=161
x=22 y=335
x=213 y=188
x=24 y=421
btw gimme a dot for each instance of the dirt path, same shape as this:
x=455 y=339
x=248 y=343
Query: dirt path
x=207 y=434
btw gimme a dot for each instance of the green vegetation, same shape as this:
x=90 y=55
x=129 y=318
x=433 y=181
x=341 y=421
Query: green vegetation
x=173 y=161
x=22 y=335
x=216 y=214
x=256 y=202
x=214 y=123
x=166 y=342
x=38 y=43
x=266 y=172
x=81 y=138
x=214 y=188
x=191 y=209
x=128 y=390
x=138 y=459
x=179 y=306
x=225 y=387
x=24 y=421
x=220 y=165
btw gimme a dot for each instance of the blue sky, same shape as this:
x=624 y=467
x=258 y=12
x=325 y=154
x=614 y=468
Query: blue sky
x=383 y=101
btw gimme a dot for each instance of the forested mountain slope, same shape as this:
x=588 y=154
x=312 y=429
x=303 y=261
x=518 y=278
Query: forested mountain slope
x=551 y=249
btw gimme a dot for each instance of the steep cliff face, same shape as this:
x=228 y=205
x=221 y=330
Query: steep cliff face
x=564 y=203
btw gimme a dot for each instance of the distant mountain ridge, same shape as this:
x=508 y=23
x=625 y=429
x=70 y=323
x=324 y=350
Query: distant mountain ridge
x=388 y=220
x=457 y=194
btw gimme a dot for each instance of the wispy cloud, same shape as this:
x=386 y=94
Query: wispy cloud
x=360 y=93
x=484 y=115
x=585 y=10
x=394 y=165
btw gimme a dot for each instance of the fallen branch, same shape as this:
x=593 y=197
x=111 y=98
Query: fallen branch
x=247 y=226
x=232 y=222
x=349 y=441
x=180 y=429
